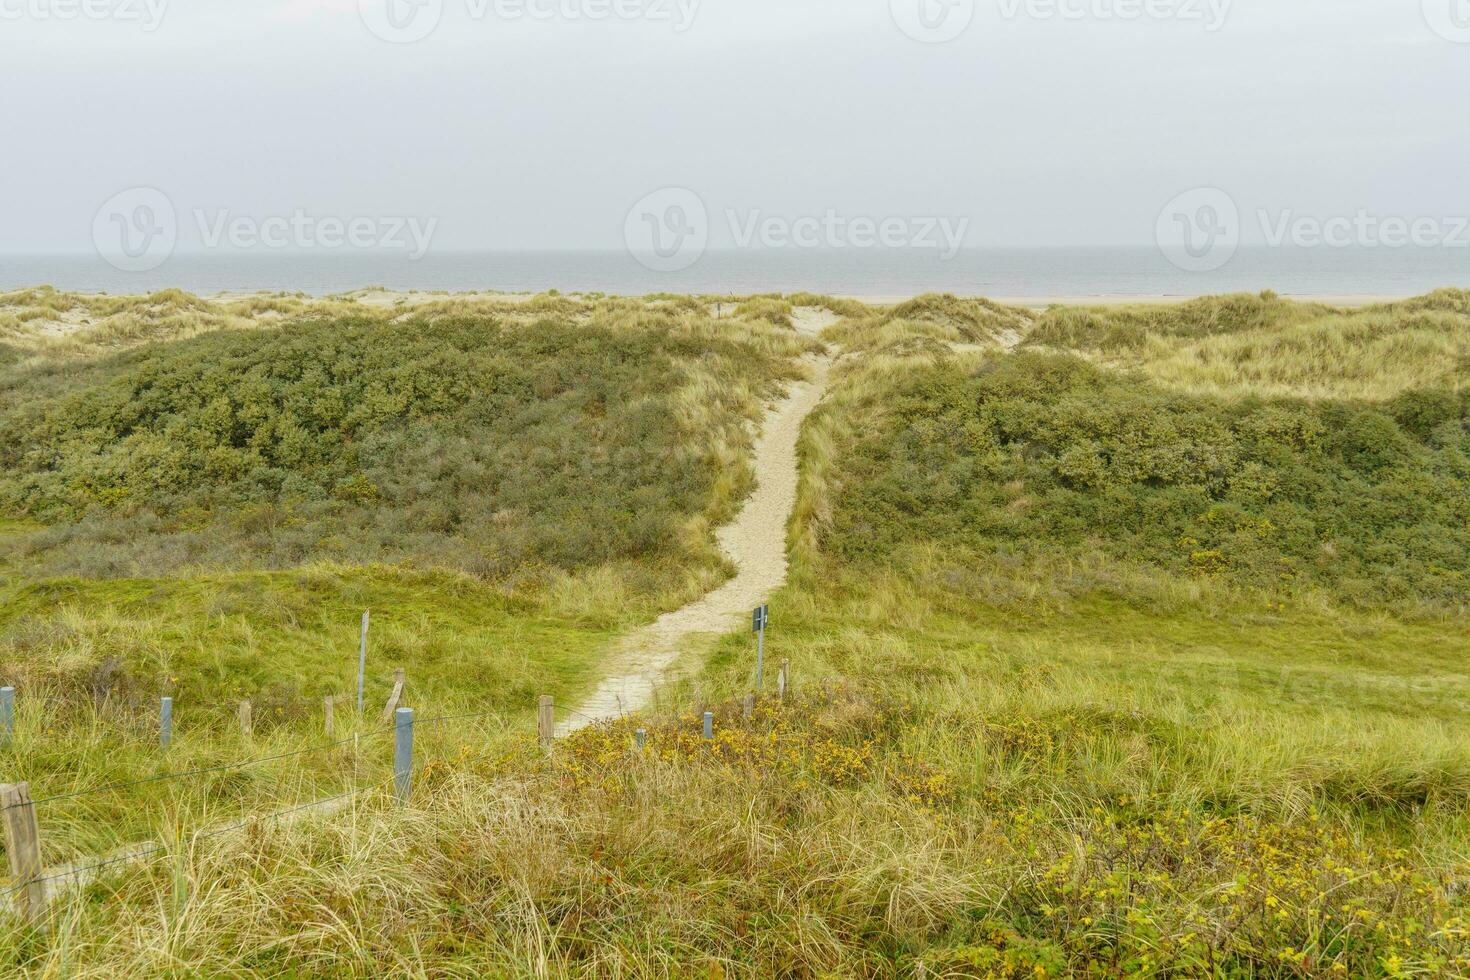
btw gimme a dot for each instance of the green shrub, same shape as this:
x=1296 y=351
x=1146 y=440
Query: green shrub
x=1039 y=451
x=459 y=440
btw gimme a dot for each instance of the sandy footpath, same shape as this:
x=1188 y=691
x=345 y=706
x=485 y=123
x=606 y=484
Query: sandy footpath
x=755 y=543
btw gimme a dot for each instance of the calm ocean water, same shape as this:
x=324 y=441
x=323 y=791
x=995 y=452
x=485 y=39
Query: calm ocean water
x=1060 y=272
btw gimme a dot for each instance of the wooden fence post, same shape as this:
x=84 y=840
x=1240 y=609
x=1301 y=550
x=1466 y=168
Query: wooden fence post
x=329 y=709
x=749 y=706
x=247 y=718
x=23 y=844
x=400 y=678
x=7 y=715
x=783 y=679
x=546 y=721
x=640 y=737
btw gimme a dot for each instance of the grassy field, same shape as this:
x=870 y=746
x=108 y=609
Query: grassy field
x=1125 y=641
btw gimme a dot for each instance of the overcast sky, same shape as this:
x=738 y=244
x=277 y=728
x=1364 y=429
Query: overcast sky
x=540 y=133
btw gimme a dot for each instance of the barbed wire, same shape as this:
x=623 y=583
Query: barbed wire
x=245 y=823
x=189 y=773
x=594 y=721
x=148 y=850
x=497 y=715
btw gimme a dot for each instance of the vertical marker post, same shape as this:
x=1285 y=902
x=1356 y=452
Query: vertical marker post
x=640 y=737
x=7 y=715
x=23 y=844
x=166 y=722
x=546 y=722
x=402 y=754
x=328 y=713
x=709 y=726
x=758 y=620
x=362 y=658
x=783 y=679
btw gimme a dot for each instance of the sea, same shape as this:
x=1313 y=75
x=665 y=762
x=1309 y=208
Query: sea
x=1039 y=273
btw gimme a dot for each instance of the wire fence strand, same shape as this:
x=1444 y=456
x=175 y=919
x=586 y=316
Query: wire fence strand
x=189 y=773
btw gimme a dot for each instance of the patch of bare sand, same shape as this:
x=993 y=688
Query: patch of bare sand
x=755 y=543
x=386 y=299
x=812 y=319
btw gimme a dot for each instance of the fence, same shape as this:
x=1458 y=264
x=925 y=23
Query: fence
x=30 y=895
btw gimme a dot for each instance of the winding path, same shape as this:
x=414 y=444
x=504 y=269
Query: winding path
x=755 y=542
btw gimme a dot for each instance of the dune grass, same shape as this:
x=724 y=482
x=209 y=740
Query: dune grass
x=1032 y=733
x=1274 y=348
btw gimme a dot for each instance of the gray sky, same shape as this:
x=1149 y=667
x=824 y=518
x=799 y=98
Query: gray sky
x=516 y=132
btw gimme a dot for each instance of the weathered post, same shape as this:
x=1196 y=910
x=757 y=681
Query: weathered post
x=749 y=706
x=403 y=754
x=640 y=738
x=783 y=679
x=328 y=715
x=247 y=718
x=23 y=844
x=7 y=716
x=362 y=659
x=400 y=678
x=709 y=725
x=166 y=722
x=546 y=722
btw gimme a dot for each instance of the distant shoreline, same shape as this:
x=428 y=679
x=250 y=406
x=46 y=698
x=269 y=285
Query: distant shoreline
x=390 y=297
x=1028 y=277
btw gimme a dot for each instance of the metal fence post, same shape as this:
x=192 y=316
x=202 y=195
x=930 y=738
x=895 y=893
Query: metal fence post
x=166 y=722
x=362 y=659
x=7 y=715
x=403 y=753
x=709 y=725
